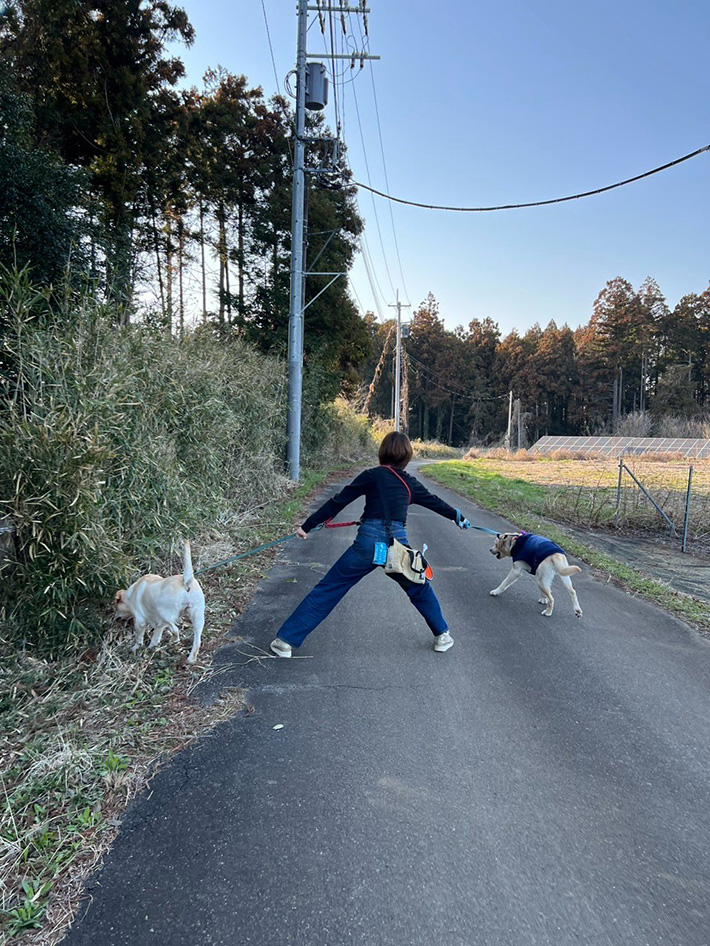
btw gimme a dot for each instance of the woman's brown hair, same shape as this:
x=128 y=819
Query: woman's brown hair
x=396 y=450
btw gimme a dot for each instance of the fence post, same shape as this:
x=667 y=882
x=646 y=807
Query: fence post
x=618 y=491
x=687 y=507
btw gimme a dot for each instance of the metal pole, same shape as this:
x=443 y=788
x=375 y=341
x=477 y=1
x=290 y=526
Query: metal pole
x=295 y=316
x=618 y=491
x=671 y=527
x=687 y=507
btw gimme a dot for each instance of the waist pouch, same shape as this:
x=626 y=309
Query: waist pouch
x=405 y=562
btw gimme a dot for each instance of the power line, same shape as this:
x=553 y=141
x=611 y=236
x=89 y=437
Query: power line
x=363 y=310
x=268 y=36
x=374 y=206
x=384 y=167
x=432 y=375
x=333 y=53
x=365 y=45
x=535 y=203
x=371 y=274
x=460 y=392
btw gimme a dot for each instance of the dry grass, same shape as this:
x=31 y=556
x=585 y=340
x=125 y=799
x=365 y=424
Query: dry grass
x=571 y=470
x=80 y=738
x=584 y=491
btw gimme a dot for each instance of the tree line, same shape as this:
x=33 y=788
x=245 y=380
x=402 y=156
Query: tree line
x=148 y=192
x=635 y=361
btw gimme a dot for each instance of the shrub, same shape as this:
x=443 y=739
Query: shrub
x=114 y=442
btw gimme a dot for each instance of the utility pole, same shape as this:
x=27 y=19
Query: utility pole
x=398 y=361
x=295 y=315
x=297 y=305
x=510 y=419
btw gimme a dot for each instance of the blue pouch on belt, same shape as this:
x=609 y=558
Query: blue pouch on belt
x=380 y=556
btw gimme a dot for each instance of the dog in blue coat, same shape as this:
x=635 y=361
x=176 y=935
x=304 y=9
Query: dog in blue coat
x=540 y=557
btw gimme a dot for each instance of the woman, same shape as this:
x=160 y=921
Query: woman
x=388 y=490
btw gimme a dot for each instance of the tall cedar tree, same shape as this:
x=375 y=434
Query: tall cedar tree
x=95 y=72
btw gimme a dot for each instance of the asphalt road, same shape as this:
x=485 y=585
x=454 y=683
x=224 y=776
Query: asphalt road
x=545 y=781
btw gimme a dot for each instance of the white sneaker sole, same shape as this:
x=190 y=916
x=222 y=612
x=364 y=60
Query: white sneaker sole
x=277 y=652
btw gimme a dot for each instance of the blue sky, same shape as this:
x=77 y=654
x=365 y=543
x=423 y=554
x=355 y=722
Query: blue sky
x=485 y=104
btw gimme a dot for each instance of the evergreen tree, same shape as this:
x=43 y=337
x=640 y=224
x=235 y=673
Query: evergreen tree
x=40 y=224
x=95 y=74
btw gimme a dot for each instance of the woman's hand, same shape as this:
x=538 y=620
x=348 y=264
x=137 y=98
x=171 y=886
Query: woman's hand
x=301 y=534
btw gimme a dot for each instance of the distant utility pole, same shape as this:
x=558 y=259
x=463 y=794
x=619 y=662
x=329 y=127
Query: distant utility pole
x=510 y=420
x=398 y=362
x=298 y=212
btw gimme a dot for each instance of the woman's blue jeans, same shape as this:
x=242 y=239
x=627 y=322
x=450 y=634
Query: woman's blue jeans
x=347 y=572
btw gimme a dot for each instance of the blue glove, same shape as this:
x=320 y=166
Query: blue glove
x=461 y=521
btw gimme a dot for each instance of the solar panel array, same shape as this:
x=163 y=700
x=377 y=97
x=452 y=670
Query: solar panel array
x=616 y=446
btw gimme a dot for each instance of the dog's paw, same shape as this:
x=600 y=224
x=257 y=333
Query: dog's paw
x=495 y=592
x=542 y=600
x=547 y=613
x=578 y=612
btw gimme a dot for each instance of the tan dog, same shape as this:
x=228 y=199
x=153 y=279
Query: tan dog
x=542 y=558
x=158 y=602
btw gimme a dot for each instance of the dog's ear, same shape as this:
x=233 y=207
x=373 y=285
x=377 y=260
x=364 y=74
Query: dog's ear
x=120 y=595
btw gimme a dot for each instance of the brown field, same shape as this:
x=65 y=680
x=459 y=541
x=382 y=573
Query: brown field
x=598 y=472
x=584 y=491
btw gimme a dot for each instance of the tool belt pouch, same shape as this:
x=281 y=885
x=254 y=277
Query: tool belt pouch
x=406 y=563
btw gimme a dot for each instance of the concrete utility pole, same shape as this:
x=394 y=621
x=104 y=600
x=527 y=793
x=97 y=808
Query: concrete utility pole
x=510 y=420
x=298 y=215
x=295 y=315
x=398 y=363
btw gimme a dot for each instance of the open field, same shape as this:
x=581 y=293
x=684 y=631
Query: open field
x=596 y=471
x=534 y=495
x=584 y=492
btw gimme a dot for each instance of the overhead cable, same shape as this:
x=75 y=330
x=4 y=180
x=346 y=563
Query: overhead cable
x=374 y=206
x=271 y=48
x=365 y=45
x=535 y=203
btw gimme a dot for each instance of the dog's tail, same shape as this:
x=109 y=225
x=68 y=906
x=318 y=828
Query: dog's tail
x=187 y=573
x=567 y=570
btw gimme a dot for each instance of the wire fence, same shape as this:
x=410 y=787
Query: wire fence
x=666 y=499
x=655 y=496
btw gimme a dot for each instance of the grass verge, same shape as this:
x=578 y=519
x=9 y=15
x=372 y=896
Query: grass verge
x=81 y=737
x=524 y=502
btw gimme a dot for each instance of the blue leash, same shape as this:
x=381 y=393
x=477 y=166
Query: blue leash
x=270 y=545
x=291 y=535
x=234 y=558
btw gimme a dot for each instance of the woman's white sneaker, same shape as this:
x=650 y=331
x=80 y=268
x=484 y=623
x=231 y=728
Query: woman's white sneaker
x=443 y=642
x=280 y=648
